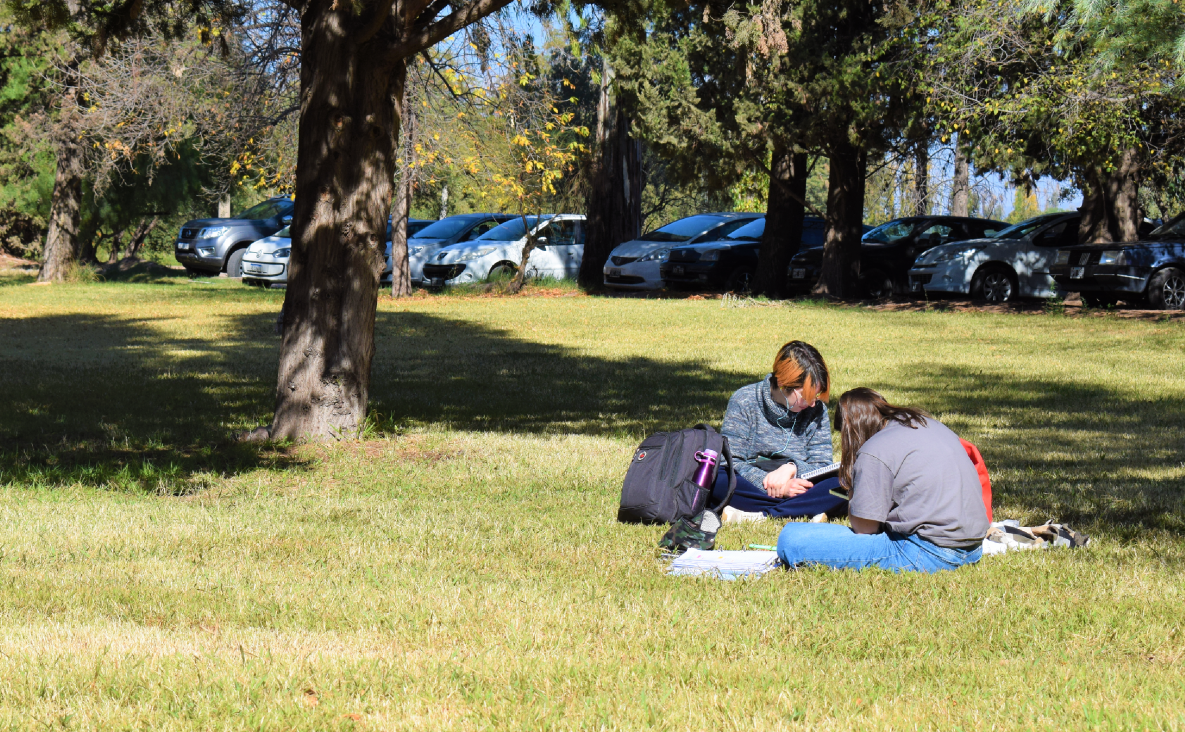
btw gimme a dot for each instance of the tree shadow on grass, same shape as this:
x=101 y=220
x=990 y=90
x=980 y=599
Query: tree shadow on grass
x=1082 y=453
x=113 y=402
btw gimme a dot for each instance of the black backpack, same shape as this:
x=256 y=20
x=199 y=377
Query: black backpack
x=658 y=487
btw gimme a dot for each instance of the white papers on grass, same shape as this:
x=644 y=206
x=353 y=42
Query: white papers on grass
x=725 y=565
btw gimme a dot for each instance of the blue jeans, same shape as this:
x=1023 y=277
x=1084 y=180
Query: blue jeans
x=838 y=547
x=749 y=497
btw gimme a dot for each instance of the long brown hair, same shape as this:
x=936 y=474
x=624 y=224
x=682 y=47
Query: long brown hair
x=800 y=365
x=861 y=414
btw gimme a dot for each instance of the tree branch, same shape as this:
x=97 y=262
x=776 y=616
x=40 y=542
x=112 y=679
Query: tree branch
x=420 y=39
x=785 y=188
x=382 y=11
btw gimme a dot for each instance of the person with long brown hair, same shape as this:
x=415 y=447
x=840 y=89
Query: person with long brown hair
x=778 y=429
x=915 y=503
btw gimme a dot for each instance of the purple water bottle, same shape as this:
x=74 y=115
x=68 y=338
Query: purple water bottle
x=705 y=475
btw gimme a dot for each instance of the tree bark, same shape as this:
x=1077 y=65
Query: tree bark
x=143 y=229
x=961 y=187
x=224 y=206
x=1110 y=206
x=65 y=209
x=444 y=201
x=349 y=128
x=615 y=199
x=839 y=275
x=783 y=220
x=921 y=178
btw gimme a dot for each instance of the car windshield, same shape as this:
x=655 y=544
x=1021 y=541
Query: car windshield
x=444 y=229
x=1173 y=229
x=752 y=230
x=683 y=229
x=266 y=210
x=283 y=233
x=891 y=232
x=512 y=230
x=1023 y=229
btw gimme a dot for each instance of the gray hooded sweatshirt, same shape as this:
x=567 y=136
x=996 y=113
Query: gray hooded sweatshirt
x=757 y=428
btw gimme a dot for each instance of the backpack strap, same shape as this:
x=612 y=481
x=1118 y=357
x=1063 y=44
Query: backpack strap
x=726 y=453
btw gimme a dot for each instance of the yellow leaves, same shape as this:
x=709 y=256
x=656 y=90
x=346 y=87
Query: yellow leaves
x=520 y=140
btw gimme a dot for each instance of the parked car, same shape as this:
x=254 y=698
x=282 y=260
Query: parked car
x=210 y=246
x=1151 y=271
x=728 y=263
x=888 y=251
x=635 y=264
x=432 y=236
x=265 y=262
x=1012 y=263
x=498 y=252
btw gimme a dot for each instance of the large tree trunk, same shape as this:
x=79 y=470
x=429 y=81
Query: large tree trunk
x=349 y=127
x=1110 y=207
x=615 y=201
x=839 y=275
x=961 y=186
x=783 y=220
x=921 y=178
x=65 y=208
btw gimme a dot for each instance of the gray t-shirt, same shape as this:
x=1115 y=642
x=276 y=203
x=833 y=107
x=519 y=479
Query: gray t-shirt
x=920 y=481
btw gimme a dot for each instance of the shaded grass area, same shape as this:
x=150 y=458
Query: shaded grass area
x=461 y=568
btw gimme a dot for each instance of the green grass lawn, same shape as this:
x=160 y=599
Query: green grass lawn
x=461 y=568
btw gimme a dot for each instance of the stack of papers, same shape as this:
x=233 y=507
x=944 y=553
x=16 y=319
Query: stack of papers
x=725 y=565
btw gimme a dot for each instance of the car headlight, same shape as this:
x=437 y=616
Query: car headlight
x=415 y=250
x=206 y=251
x=1063 y=257
x=658 y=255
x=710 y=256
x=282 y=253
x=475 y=254
x=213 y=232
x=952 y=254
x=1112 y=256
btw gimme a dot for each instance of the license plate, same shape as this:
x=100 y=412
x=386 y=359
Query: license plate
x=798 y=274
x=1077 y=273
x=256 y=268
x=678 y=270
x=614 y=272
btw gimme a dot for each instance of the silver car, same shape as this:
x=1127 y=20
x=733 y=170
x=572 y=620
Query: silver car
x=210 y=246
x=265 y=262
x=1012 y=263
x=426 y=240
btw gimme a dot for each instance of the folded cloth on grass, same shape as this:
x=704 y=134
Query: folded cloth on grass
x=725 y=565
x=1004 y=536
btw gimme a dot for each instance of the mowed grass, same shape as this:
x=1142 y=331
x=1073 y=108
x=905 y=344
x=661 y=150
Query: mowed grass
x=461 y=568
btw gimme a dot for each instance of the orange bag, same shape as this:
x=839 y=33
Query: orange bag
x=981 y=468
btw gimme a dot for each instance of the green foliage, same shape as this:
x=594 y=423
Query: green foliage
x=26 y=156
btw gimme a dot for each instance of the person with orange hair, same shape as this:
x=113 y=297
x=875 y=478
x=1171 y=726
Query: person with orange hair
x=777 y=429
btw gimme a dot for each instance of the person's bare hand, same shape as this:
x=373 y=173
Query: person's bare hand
x=784 y=483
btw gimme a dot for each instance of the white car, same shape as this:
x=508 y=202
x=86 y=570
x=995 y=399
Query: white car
x=426 y=238
x=634 y=264
x=1012 y=263
x=499 y=251
x=266 y=261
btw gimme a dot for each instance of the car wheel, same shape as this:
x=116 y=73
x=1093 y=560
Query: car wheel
x=994 y=284
x=1094 y=300
x=234 y=263
x=1166 y=290
x=877 y=285
x=502 y=272
x=740 y=281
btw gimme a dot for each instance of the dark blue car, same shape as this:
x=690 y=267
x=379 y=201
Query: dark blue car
x=1151 y=271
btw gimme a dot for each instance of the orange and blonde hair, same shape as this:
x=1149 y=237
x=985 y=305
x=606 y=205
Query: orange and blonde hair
x=799 y=365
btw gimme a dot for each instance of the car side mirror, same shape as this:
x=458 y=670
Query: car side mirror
x=540 y=242
x=286 y=220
